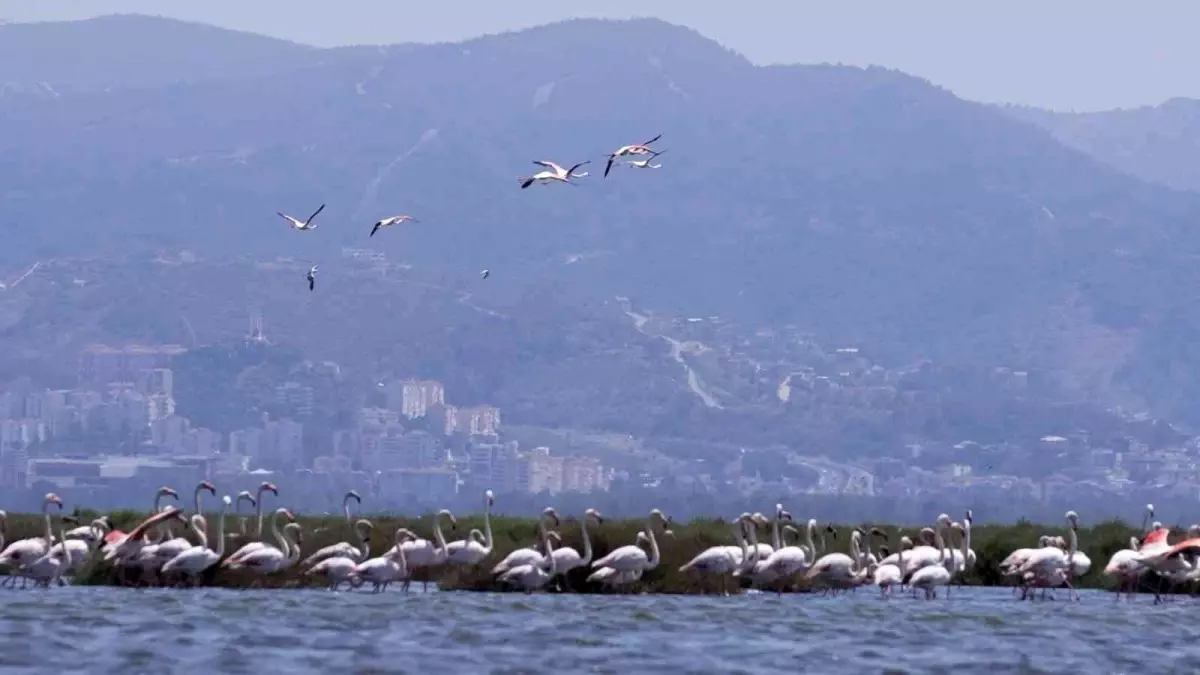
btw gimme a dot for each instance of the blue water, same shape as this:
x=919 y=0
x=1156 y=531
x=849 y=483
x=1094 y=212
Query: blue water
x=90 y=629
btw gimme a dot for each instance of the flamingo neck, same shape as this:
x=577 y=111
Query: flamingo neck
x=437 y=534
x=587 y=542
x=489 y=544
x=359 y=528
x=775 y=531
x=258 y=513
x=653 y=544
x=279 y=538
x=220 y=551
x=808 y=540
x=552 y=564
x=939 y=542
x=49 y=527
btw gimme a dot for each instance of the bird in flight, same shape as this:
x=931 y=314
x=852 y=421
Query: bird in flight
x=554 y=173
x=645 y=163
x=627 y=150
x=393 y=220
x=484 y=274
x=302 y=225
x=312 y=277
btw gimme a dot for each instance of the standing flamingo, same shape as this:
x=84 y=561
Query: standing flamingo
x=25 y=551
x=383 y=570
x=258 y=511
x=193 y=561
x=528 y=555
x=534 y=576
x=243 y=496
x=469 y=551
x=631 y=558
x=425 y=553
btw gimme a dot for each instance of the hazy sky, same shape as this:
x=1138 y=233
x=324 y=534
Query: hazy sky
x=1062 y=54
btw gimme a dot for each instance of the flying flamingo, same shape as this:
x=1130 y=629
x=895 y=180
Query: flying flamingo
x=635 y=149
x=390 y=221
x=193 y=561
x=553 y=173
x=297 y=224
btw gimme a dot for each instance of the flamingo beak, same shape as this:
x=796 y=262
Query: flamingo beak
x=211 y=488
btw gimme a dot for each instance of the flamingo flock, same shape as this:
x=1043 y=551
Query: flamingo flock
x=155 y=554
x=552 y=173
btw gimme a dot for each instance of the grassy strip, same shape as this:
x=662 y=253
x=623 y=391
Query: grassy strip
x=991 y=543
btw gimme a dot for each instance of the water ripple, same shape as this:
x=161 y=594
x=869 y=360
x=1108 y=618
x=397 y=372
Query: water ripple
x=225 y=631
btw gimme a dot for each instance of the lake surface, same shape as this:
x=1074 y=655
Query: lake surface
x=219 y=631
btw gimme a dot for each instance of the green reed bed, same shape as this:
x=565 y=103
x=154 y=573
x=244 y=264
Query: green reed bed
x=991 y=543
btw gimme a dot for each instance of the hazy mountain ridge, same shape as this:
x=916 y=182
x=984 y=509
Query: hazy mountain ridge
x=867 y=206
x=1155 y=143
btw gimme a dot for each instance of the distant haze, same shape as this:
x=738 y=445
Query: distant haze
x=1064 y=55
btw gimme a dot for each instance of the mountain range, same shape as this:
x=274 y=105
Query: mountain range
x=866 y=206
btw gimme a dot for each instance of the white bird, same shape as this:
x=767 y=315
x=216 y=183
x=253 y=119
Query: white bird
x=837 y=570
x=607 y=576
x=931 y=574
x=533 y=576
x=890 y=575
x=1124 y=565
x=25 y=551
x=529 y=555
x=302 y=225
x=269 y=559
x=483 y=274
x=1044 y=563
x=468 y=551
x=724 y=561
x=79 y=548
x=381 y=571
x=645 y=163
x=554 y=173
x=425 y=553
x=390 y=221
x=567 y=558
x=234 y=563
x=258 y=514
x=133 y=543
x=631 y=557
x=193 y=561
x=50 y=566
x=362 y=530
x=312 y=277
x=635 y=149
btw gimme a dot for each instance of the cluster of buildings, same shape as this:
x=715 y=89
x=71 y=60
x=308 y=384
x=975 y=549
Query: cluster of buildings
x=118 y=432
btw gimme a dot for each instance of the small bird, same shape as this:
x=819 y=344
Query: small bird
x=312 y=277
x=645 y=163
x=394 y=220
x=297 y=224
x=555 y=173
x=484 y=274
x=626 y=150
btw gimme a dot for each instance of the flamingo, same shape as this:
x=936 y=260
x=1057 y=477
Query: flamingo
x=393 y=220
x=723 y=561
x=193 y=561
x=889 y=575
x=79 y=548
x=787 y=561
x=838 y=570
x=645 y=163
x=87 y=532
x=242 y=496
x=380 y=571
x=311 y=278
x=553 y=173
x=567 y=558
x=235 y=562
x=258 y=511
x=297 y=224
x=631 y=558
x=1176 y=563
x=635 y=149
x=469 y=551
x=271 y=559
x=362 y=530
x=115 y=537
x=533 y=576
x=1045 y=561
x=1124 y=564
x=932 y=573
x=610 y=577
x=425 y=553
x=129 y=547
x=24 y=551
x=525 y=556
x=49 y=566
